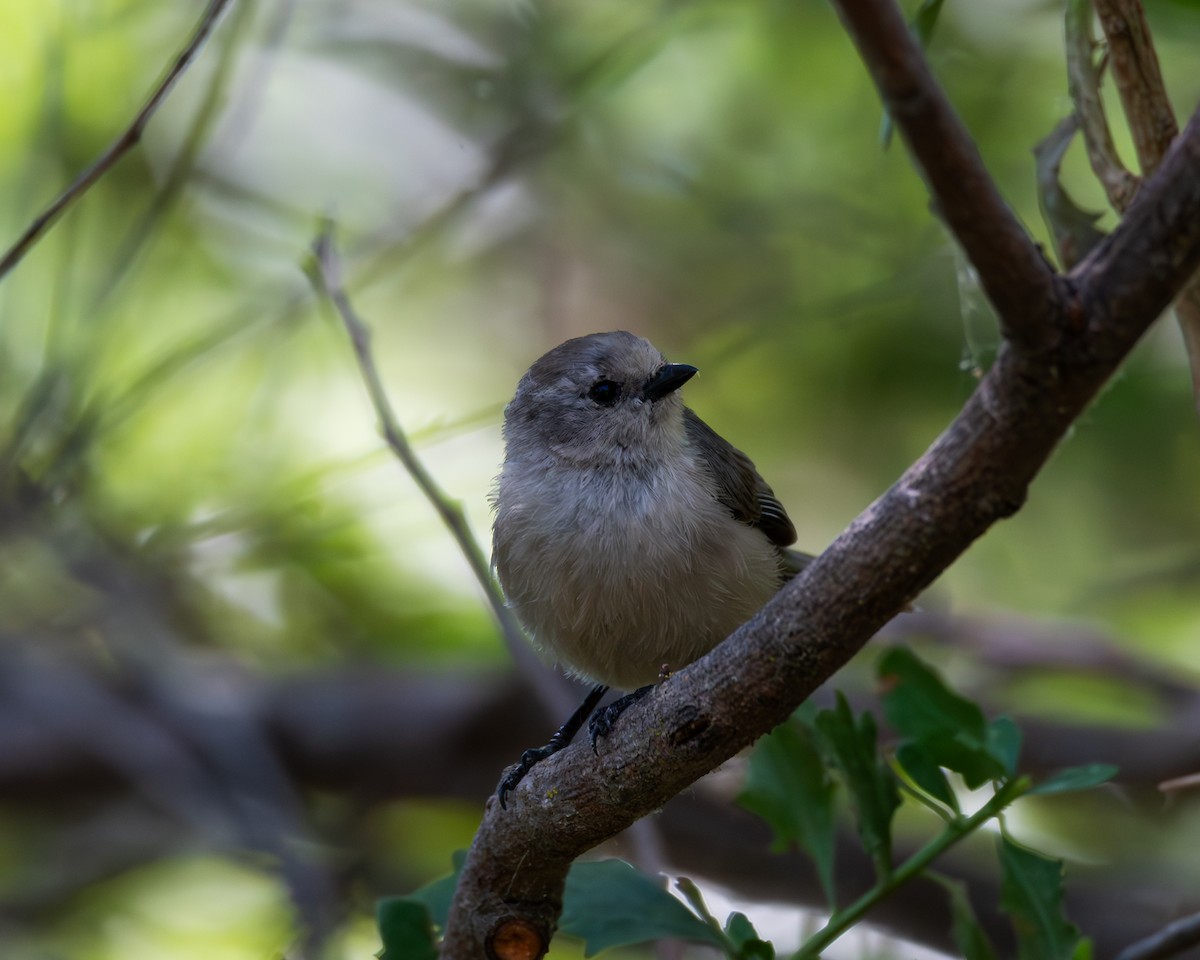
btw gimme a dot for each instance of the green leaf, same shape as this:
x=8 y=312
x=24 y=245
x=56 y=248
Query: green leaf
x=949 y=728
x=438 y=895
x=871 y=785
x=1004 y=743
x=750 y=946
x=969 y=937
x=926 y=774
x=1077 y=778
x=1032 y=894
x=405 y=929
x=788 y=786
x=607 y=903
x=409 y=925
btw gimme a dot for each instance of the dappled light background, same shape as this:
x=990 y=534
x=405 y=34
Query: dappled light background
x=201 y=530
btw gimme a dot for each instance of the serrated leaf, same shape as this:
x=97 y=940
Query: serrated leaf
x=1077 y=778
x=750 y=946
x=607 y=903
x=926 y=774
x=969 y=936
x=1032 y=895
x=788 y=786
x=872 y=787
x=949 y=728
x=405 y=929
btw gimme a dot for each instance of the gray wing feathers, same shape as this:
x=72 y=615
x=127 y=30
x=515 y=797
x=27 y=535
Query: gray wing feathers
x=739 y=486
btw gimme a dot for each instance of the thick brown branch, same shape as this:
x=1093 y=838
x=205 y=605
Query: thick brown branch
x=119 y=147
x=976 y=473
x=1015 y=276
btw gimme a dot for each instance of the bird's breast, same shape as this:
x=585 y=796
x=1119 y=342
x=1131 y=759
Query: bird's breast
x=620 y=573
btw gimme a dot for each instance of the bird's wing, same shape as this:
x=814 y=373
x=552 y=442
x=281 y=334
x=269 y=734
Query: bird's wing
x=739 y=487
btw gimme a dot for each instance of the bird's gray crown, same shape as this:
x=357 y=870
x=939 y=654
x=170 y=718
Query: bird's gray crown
x=596 y=398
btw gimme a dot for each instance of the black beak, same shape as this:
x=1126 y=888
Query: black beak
x=669 y=378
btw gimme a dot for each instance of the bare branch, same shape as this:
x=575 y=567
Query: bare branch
x=1151 y=256
x=976 y=473
x=1083 y=80
x=1153 y=125
x=1018 y=281
x=1139 y=80
x=1171 y=941
x=183 y=164
x=122 y=145
x=327 y=277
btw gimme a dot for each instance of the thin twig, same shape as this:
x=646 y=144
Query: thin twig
x=1083 y=81
x=327 y=276
x=184 y=162
x=1170 y=941
x=122 y=145
x=1154 y=128
x=1139 y=81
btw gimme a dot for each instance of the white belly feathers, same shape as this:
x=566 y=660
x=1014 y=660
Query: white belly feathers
x=588 y=594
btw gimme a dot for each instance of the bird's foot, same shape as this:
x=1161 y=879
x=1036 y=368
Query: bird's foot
x=529 y=758
x=535 y=755
x=603 y=720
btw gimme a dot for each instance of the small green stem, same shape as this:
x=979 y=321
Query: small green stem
x=944 y=813
x=954 y=831
x=696 y=899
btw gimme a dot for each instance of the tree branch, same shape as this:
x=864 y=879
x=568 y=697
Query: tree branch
x=328 y=278
x=119 y=147
x=1171 y=941
x=326 y=275
x=1083 y=81
x=1148 y=112
x=1139 y=80
x=1018 y=281
x=975 y=473
x=369 y=735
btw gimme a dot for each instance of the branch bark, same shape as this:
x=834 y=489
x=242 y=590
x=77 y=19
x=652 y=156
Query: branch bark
x=1066 y=337
x=1148 y=112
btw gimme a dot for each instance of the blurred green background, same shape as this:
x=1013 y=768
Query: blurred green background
x=240 y=652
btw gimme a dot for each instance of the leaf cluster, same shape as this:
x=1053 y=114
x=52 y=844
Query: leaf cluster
x=796 y=777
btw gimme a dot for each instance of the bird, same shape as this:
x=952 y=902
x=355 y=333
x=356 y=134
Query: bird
x=629 y=537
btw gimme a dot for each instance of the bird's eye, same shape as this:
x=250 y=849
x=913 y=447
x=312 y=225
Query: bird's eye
x=605 y=392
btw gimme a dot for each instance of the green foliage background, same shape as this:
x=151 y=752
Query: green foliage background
x=188 y=464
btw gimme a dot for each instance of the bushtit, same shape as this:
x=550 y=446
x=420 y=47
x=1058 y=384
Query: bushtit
x=630 y=538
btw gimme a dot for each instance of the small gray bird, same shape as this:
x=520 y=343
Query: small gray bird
x=630 y=538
